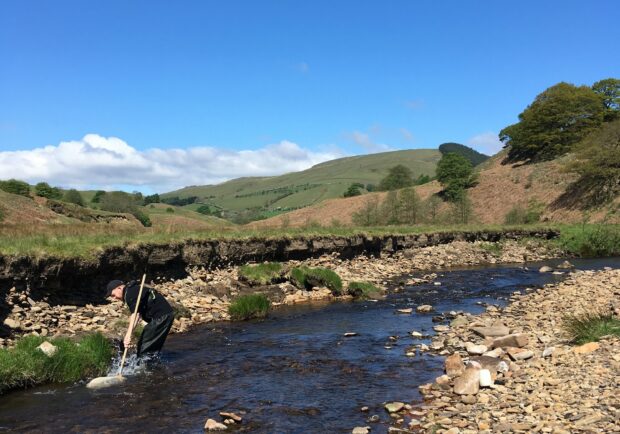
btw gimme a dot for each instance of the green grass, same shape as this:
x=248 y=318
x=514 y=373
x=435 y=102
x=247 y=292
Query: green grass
x=261 y=274
x=591 y=240
x=363 y=290
x=308 y=278
x=493 y=248
x=249 y=306
x=590 y=327
x=24 y=365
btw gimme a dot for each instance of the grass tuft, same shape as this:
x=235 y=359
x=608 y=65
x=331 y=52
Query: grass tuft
x=591 y=240
x=249 y=306
x=24 y=365
x=492 y=248
x=261 y=274
x=308 y=278
x=590 y=327
x=363 y=290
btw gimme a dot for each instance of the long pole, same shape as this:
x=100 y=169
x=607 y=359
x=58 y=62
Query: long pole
x=132 y=319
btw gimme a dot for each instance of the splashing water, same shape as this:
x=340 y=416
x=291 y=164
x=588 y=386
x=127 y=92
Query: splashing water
x=133 y=364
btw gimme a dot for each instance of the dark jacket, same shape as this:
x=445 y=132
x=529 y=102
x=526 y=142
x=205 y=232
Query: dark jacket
x=152 y=305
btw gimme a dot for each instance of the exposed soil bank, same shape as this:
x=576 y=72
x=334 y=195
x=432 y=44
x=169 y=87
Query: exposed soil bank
x=172 y=260
x=538 y=381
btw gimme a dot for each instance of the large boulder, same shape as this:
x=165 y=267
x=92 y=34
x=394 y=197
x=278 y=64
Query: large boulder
x=454 y=365
x=517 y=340
x=493 y=331
x=468 y=383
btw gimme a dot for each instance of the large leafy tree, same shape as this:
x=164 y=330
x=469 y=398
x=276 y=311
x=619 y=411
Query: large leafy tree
x=43 y=189
x=74 y=196
x=455 y=173
x=609 y=90
x=398 y=177
x=557 y=119
x=15 y=186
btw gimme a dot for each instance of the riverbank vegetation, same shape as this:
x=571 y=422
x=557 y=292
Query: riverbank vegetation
x=249 y=306
x=363 y=290
x=261 y=274
x=308 y=278
x=25 y=365
x=591 y=327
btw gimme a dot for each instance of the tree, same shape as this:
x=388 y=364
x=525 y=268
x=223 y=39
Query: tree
x=410 y=206
x=431 y=207
x=15 y=186
x=354 y=190
x=98 y=196
x=597 y=161
x=609 y=90
x=73 y=196
x=455 y=173
x=462 y=210
x=43 y=189
x=398 y=177
x=390 y=209
x=153 y=198
x=369 y=214
x=117 y=201
x=557 y=119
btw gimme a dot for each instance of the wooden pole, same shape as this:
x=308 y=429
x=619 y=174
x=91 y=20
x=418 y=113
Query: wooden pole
x=135 y=311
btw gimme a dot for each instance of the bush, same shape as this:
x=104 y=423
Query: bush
x=354 y=190
x=249 y=306
x=142 y=217
x=25 y=365
x=261 y=274
x=43 y=189
x=98 y=196
x=308 y=278
x=15 y=186
x=153 y=198
x=170 y=210
x=363 y=290
x=524 y=216
x=398 y=177
x=73 y=196
x=590 y=327
x=591 y=241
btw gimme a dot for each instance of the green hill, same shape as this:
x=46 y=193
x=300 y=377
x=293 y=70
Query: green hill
x=267 y=196
x=472 y=155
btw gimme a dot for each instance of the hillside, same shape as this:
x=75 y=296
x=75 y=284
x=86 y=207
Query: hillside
x=500 y=188
x=300 y=189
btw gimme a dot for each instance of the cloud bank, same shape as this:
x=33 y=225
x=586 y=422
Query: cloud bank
x=109 y=162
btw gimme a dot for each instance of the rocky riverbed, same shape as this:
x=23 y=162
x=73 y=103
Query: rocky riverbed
x=513 y=369
x=204 y=296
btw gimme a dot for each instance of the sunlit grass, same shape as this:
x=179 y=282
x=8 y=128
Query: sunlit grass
x=249 y=306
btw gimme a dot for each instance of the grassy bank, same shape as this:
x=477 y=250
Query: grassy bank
x=86 y=240
x=249 y=306
x=591 y=327
x=24 y=365
x=590 y=240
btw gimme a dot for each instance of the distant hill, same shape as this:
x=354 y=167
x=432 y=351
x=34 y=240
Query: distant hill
x=472 y=155
x=300 y=189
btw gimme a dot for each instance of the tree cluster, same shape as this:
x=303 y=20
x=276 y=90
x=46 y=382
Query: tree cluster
x=455 y=173
x=560 y=117
x=15 y=186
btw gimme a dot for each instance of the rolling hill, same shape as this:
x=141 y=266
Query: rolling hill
x=301 y=189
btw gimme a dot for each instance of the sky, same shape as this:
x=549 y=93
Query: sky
x=155 y=95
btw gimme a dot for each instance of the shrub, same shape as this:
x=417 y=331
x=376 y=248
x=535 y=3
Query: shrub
x=153 y=198
x=170 y=210
x=261 y=274
x=249 y=306
x=363 y=290
x=98 y=196
x=142 y=217
x=493 y=248
x=15 y=186
x=308 y=278
x=398 y=177
x=520 y=216
x=25 y=365
x=590 y=327
x=354 y=190
x=591 y=241
x=73 y=196
x=43 y=189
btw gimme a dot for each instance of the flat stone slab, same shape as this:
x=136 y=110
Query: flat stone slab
x=491 y=332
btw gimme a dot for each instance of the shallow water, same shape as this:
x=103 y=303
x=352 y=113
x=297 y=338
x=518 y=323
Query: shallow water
x=291 y=373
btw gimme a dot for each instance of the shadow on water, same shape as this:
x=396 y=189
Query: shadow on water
x=292 y=373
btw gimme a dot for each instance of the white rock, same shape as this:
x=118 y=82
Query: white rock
x=503 y=366
x=361 y=430
x=212 y=425
x=416 y=334
x=424 y=308
x=11 y=323
x=547 y=352
x=48 y=348
x=475 y=350
x=545 y=269
x=485 y=378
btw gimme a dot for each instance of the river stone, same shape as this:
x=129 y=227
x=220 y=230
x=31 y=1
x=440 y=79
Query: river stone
x=515 y=340
x=468 y=383
x=547 y=352
x=416 y=334
x=425 y=308
x=406 y=310
x=474 y=349
x=212 y=425
x=350 y=334
x=48 y=349
x=361 y=430
x=441 y=328
x=486 y=362
x=565 y=265
x=454 y=365
x=545 y=269
x=485 y=378
x=11 y=323
x=458 y=321
x=233 y=416
x=587 y=348
x=492 y=331
x=394 y=407
x=519 y=353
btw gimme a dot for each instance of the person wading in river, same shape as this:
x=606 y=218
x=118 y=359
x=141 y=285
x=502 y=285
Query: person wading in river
x=153 y=308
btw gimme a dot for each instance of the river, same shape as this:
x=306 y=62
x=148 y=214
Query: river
x=294 y=372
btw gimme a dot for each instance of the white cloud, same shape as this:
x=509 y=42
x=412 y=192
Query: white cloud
x=364 y=140
x=109 y=162
x=487 y=143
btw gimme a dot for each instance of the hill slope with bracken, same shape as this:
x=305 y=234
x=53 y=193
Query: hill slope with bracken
x=500 y=188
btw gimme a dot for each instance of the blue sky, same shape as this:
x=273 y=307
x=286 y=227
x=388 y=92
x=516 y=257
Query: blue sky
x=241 y=79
